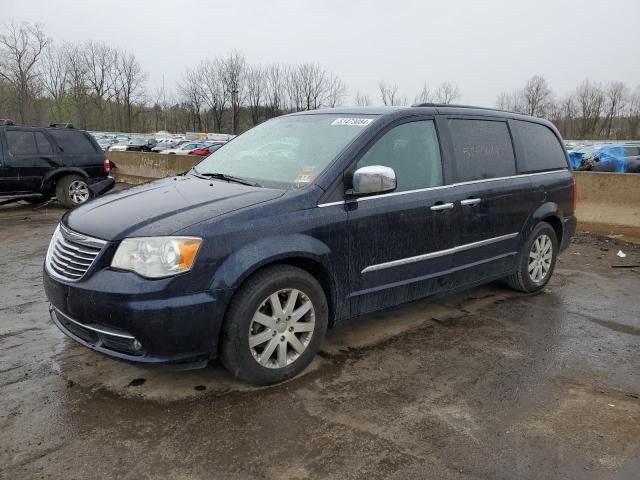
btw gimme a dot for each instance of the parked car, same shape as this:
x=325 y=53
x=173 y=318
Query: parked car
x=136 y=144
x=250 y=258
x=104 y=143
x=38 y=163
x=184 y=148
x=609 y=157
x=160 y=146
x=206 y=151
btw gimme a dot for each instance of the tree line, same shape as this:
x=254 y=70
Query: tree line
x=593 y=110
x=99 y=87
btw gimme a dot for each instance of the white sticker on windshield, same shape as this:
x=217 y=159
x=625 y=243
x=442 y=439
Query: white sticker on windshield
x=354 y=122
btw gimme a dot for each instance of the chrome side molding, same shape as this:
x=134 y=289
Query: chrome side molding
x=439 y=253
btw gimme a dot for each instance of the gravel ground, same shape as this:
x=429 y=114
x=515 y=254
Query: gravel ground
x=486 y=384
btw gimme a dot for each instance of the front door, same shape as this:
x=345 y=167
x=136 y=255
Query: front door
x=399 y=242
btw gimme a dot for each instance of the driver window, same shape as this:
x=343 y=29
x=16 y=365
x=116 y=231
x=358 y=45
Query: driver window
x=412 y=150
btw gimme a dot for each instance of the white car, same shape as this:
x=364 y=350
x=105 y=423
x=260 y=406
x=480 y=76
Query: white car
x=184 y=148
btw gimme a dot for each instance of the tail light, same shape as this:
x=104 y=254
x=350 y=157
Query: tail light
x=575 y=194
x=106 y=165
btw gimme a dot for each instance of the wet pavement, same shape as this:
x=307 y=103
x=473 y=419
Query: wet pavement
x=485 y=384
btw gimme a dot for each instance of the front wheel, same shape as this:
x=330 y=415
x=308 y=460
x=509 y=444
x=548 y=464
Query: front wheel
x=275 y=325
x=537 y=260
x=72 y=190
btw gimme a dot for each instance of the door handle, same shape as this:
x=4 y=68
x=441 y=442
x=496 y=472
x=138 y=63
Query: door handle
x=470 y=202
x=441 y=206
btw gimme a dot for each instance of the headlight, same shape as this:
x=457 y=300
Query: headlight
x=156 y=257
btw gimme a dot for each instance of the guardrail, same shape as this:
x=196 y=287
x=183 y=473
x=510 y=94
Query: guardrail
x=607 y=202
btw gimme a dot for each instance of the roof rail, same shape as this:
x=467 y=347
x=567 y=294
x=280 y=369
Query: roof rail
x=5 y=122
x=452 y=105
x=61 y=125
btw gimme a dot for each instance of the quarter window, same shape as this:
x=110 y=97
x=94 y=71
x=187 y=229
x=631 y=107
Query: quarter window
x=412 y=150
x=72 y=141
x=43 y=144
x=482 y=149
x=541 y=149
x=21 y=142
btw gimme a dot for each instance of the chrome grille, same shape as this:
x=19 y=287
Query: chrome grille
x=71 y=254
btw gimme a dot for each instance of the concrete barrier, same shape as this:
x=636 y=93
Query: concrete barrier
x=609 y=203
x=138 y=167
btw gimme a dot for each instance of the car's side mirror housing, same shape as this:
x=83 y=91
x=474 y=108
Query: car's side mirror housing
x=373 y=179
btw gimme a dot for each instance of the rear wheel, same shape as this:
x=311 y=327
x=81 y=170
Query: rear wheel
x=537 y=260
x=72 y=190
x=275 y=325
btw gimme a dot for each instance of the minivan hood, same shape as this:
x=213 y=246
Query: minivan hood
x=163 y=207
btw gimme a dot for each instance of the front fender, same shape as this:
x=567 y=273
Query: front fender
x=243 y=262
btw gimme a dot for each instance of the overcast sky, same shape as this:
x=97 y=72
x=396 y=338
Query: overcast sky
x=484 y=46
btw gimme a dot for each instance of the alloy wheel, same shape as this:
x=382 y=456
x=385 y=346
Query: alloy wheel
x=78 y=191
x=540 y=257
x=281 y=328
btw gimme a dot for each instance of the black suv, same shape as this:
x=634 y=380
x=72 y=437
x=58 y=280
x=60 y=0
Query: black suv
x=38 y=163
x=305 y=220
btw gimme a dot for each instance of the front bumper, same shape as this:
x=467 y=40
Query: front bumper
x=152 y=326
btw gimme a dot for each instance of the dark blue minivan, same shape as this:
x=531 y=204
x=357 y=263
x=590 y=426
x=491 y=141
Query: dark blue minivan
x=305 y=220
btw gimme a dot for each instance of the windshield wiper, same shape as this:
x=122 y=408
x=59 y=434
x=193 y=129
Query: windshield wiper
x=224 y=176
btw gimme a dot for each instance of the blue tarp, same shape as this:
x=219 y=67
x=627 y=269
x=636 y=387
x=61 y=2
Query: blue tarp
x=611 y=157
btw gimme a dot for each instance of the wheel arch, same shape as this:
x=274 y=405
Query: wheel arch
x=302 y=251
x=49 y=181
x=550 y=213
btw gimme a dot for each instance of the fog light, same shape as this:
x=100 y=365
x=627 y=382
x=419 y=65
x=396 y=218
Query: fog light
x=137 y=345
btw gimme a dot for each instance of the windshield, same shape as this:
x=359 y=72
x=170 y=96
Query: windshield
x=287 y=151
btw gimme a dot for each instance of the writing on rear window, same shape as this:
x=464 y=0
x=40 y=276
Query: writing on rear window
x=354 y=122
x=472 y=151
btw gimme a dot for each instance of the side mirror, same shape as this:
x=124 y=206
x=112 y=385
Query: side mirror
x=373 y=179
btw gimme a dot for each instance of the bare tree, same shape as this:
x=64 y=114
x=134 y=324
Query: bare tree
x=20 y=50
x=214 y=91
x=275 y=95
x=336 y=91
x=190 y=88
x=511 y=101
x=313 y=82
x=293 y=87
x=256 y=91
x=615 y=98
x=424 y=96
x=99 y=59
x=389 y=94
x=537 y=96
x=633 y=113
x=362 y=99
x=132 y=80
x=54 y=77
x=590 y=100
x=233 y=74
x=77 y=84
x=447 y=92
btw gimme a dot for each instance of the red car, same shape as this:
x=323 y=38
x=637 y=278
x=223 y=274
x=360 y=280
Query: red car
x=206 y=151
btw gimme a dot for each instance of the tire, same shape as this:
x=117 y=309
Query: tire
x=263 y=363
x=72 y=190
x=531 y=276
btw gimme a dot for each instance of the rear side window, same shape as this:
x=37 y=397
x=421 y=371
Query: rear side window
x=412 y=150
x=72 y=141
x=21 y=142
x=43 y=143
x=541 y=149
x=631 y=151
x=482 y=149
